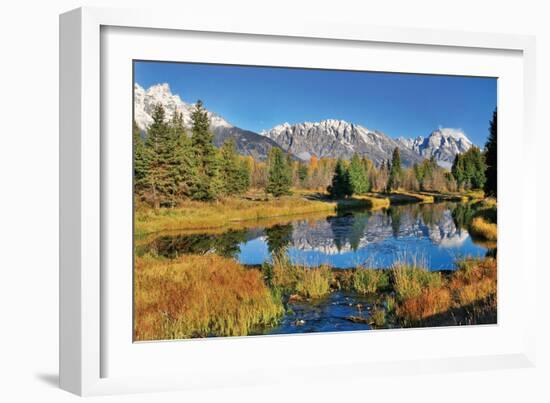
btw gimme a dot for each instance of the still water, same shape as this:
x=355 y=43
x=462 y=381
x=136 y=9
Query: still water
x=434 y=234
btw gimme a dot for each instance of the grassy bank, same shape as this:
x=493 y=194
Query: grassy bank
x=484 y=221
x=412 y=296
x=207 y=295
x=199 y=296
x=193 y=215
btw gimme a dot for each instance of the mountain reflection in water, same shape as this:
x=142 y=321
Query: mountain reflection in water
x=434 y=233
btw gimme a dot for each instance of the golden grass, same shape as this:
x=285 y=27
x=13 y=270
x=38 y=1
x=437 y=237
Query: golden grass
x=199 y=296
x=475 y=280
x=480 y=227
x=409 y=281
x=295 y=279
x=428 y=302
x=402 y=196
x=194 y=215
x=314 y=283
x=472 y=287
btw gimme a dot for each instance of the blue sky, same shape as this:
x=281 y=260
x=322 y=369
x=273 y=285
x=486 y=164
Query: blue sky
x=256 y=98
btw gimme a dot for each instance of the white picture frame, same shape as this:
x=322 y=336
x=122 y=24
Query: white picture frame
x=86 y=303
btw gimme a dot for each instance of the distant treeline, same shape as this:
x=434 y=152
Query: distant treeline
x=172 y=165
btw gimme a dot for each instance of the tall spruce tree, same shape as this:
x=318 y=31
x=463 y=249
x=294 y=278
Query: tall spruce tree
x=279 y=178
x=341 y=186
x=161 y=157
x=184 y=170
x=207 y=185
x=140 y=160
x=396 y=172
x=233 y=172
x=491 y=158
x=359 y=180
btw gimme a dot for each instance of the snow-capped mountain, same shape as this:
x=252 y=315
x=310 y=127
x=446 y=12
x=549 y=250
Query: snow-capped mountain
x=247 y=142
x=443 y=144
x=328 y=138
x=338 y=139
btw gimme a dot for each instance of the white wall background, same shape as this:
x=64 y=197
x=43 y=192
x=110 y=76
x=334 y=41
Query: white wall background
x=29 y=196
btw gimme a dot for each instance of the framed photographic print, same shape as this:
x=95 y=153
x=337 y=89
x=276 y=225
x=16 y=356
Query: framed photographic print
x=233 y=201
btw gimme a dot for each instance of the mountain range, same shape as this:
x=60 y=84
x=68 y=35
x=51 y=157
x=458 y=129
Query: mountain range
x=328 y=138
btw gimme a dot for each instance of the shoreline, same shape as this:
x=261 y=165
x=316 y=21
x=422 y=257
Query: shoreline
x=217 y=215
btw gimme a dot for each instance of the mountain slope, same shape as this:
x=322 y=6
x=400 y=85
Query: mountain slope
x=247 y=142
x=338 y=139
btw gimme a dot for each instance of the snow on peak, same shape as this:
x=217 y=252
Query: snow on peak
x=145 y=101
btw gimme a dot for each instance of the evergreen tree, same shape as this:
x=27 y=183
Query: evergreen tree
x=233 y=173
x=491 y=158
x=341 y=186
x=358 y=176
x=395 y=171
x=184 y=170
x=160 y=150
x=140 y=160
x=469 y=169
x=243 y=176
x=207 y=179
x=279 y=173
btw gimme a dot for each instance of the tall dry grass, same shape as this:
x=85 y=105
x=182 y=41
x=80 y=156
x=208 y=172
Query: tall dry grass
x=307 y=282
x=199 y=296
x=208 y=215
x=470 y=291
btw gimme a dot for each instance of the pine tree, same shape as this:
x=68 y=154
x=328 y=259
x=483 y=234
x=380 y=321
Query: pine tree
x=184 y=170
x=358 y=176
x=243 y=176
x=231 y=170
x=395 y=171
x=160 y=150
x=491 y=158
x=279 y=173
x=208 y=182
x=469 y=169
x=341 y=186
x=140 y=160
